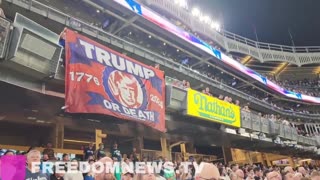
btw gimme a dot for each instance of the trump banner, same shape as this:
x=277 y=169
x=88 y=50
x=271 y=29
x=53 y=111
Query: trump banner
x=100 y=80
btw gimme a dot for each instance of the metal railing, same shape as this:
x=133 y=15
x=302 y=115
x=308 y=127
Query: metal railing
x=88 y=29
x=298 y=55
x=270 y=46
x=257 y=123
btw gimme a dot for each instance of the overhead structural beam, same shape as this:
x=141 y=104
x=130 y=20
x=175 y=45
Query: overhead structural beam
x=280 y=68
x=126 y=24
x=246 y=59
x=201 y=61
x=176 y=144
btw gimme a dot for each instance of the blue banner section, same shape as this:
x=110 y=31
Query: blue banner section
x=98 y=99
x=134 y=6
x=78 y=54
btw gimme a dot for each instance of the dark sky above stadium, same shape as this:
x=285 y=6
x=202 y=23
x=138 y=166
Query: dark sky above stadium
x=272 y=19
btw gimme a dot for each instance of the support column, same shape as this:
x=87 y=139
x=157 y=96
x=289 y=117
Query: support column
x=248 y=157
x=306 y=129
x=183 y=151
x=58 y=133
x=291 y=162
x=99 y=137
x=227 y=155
x=164 y=148
x=138 y=144
x=266 y=159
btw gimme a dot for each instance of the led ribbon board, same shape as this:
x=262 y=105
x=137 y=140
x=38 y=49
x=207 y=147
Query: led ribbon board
x=165 y=24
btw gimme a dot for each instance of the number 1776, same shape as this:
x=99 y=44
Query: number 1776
x=81 y=76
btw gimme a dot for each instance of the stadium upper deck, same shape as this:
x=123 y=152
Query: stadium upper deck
x=176 y=123
x=113 y=20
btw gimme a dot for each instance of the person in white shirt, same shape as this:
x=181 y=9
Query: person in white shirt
x=73 y=173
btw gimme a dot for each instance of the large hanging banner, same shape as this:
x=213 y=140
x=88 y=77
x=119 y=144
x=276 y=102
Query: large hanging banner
x=102 y=81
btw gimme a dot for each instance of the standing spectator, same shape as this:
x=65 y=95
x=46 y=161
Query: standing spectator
x=234 y=167
x=115 y=152
x=45 y=158
x=88 y=151
x=188 y=85
x=49 y=151
x=74 y=173
x=209 y=171
x=249 y=173
x=257 y=173
x=34 y=156
x=90 y=175
x=221 y=97
x=206 y=91
x=105 y=175
x=134 y=156
x=184 y=84
x=315 y=175
x=100 y=153
x=65 y=158
x=9 y=153
x=223 y=173
x=56 y=176
x=118 y=169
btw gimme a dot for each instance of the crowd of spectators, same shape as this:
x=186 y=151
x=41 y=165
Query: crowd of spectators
x=309 y=87
x=245 y=107
x=170 y=170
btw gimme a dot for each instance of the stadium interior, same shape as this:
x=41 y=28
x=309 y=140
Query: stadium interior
x=32 y=108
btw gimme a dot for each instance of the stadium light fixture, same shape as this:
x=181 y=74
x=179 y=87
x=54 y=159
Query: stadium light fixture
x=98 y=11
x=164 y=43
x=149 y=36
x=195 y=12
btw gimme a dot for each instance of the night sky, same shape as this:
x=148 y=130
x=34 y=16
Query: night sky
x=272 y=19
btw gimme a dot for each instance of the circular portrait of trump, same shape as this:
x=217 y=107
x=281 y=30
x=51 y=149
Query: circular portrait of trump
x=125 y=89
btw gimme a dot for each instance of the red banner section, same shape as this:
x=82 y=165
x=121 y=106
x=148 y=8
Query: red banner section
x=102 y=81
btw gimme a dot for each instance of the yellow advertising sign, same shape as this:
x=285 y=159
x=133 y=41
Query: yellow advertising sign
x=206 y=107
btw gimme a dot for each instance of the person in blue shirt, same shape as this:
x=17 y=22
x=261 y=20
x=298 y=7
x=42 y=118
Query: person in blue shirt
x=90 y=175
x=88 y=151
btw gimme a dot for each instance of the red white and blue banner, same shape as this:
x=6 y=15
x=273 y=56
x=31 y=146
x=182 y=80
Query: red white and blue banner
x=100 y=80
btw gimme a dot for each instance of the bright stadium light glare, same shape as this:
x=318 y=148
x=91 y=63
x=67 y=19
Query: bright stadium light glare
x=181 y=3
x=207 y=19
x=216 y=26
x=202 y=18
x=195 y=12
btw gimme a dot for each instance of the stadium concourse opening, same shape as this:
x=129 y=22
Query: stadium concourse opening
x=126 y=88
